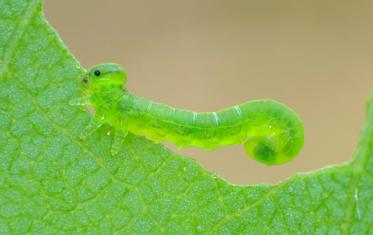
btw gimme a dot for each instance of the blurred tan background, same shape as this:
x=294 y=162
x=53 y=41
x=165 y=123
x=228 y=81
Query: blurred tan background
x=315 y=56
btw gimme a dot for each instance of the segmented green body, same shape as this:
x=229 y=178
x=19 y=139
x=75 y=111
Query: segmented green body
x=270 y=131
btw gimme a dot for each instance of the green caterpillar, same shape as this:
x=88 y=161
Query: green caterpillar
x=270 y=131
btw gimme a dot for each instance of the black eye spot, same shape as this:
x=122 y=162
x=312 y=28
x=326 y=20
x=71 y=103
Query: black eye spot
x=97 y=73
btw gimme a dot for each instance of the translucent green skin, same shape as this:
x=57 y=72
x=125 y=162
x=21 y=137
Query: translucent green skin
x=270 y=131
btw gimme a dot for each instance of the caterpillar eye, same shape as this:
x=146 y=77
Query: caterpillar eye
x=97 y=73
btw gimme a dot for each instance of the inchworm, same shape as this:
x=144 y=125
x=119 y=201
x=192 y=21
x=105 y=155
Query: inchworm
x=270 y=131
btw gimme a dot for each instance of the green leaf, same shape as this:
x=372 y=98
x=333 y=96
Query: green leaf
x=53 y=182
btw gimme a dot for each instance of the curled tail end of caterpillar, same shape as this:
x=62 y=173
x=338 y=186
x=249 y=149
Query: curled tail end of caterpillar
x=269 y=150
x=262 y=150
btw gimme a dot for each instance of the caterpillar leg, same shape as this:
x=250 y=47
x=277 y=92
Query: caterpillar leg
x=81 y=101
x=92 y=126
x=119 y=137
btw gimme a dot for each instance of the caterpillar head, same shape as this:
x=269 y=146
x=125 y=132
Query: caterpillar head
x=104 y=76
